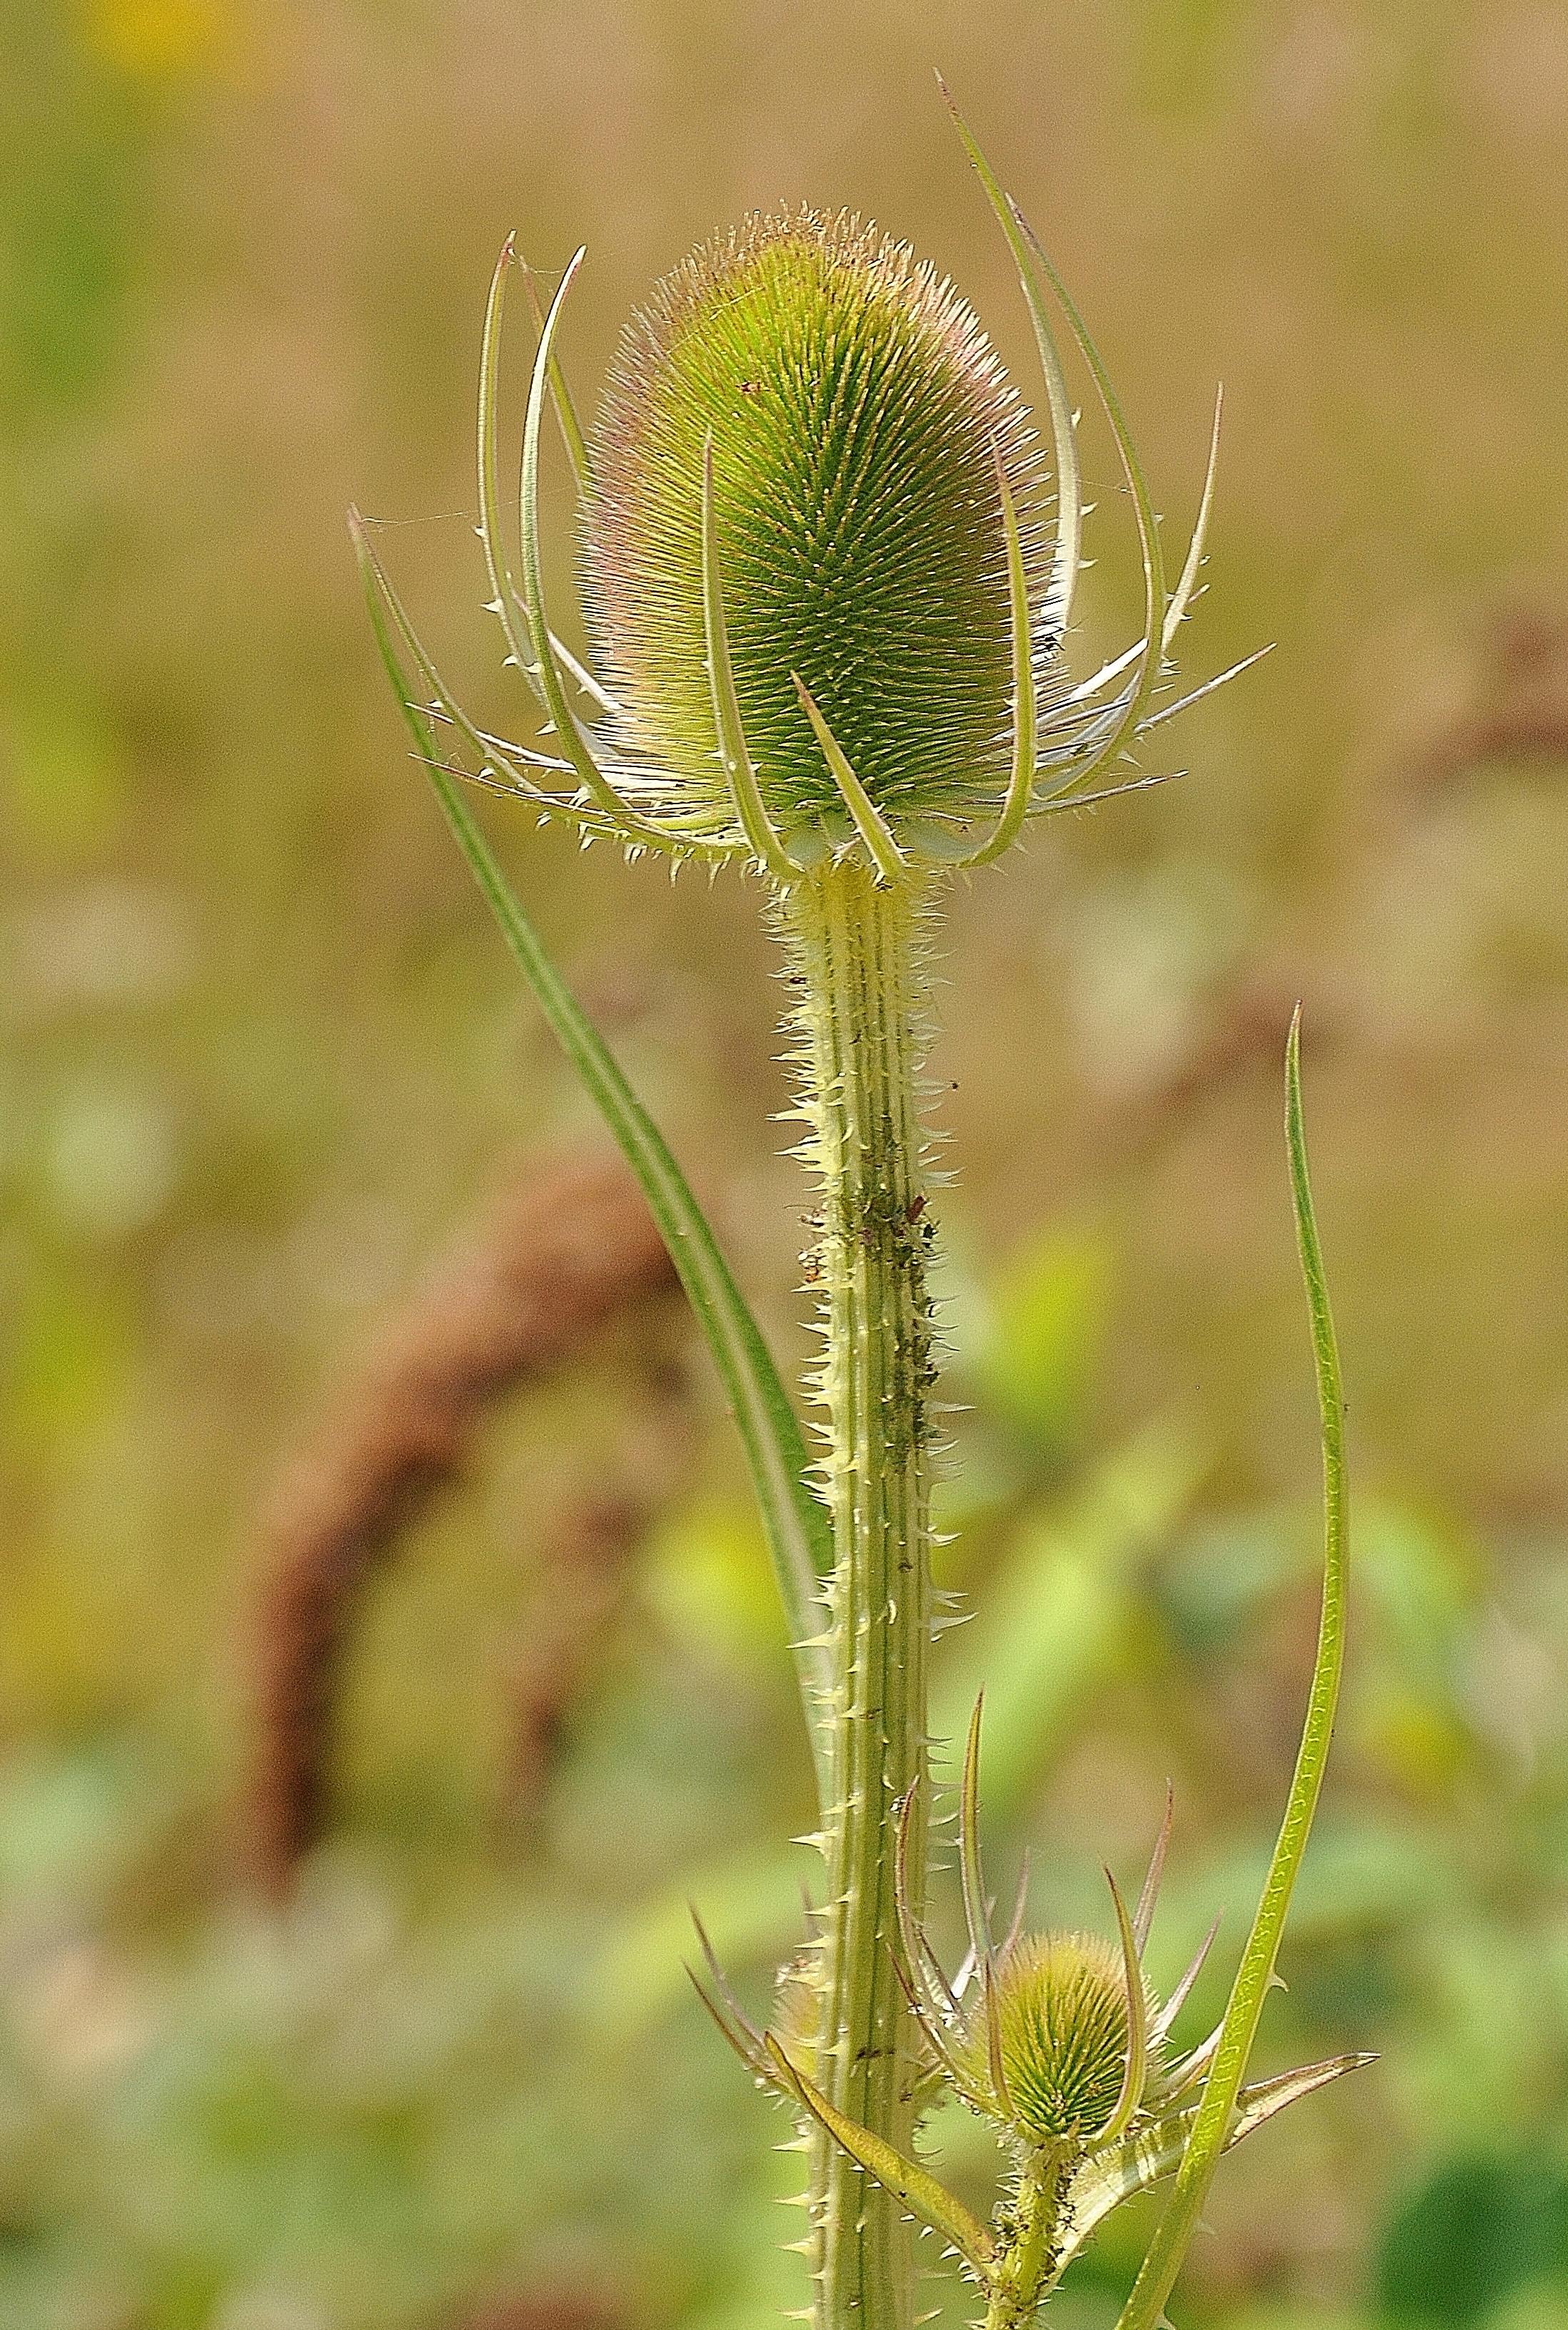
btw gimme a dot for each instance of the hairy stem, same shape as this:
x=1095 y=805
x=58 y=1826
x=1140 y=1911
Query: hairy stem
x=1030 y=2247
x=854 y=946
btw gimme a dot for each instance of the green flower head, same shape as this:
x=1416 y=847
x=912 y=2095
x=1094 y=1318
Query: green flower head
x=1060 y=2016
x=830 y=567
x=859 y=425
x=1056 y=2039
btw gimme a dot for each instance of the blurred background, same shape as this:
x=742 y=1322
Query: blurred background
x=387 y=1650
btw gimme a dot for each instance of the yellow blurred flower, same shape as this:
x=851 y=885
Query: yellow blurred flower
x=153 y=38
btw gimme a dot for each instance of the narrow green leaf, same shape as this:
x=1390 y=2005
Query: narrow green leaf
x=1255 y=1975
x=911 y=2186
x=799 y=1533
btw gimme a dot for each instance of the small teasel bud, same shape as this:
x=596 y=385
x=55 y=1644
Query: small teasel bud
x=1062 y=2039
x=857 y=418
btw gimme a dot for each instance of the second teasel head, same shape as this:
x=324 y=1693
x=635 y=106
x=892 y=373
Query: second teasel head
x=1058 y=2030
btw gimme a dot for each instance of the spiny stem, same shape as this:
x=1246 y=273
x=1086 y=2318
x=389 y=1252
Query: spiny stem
x=854 y=946
x=1025 y=2264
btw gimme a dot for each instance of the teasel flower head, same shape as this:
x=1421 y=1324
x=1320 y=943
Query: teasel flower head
x=837 y=407
x=1057 y=2039
x=830 y=566
x=1044 y=2045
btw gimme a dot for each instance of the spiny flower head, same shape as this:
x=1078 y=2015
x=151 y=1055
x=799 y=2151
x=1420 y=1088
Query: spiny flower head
x=1059 y=2007
x=858 y=419
x=1055 y=2038
x=830 y=569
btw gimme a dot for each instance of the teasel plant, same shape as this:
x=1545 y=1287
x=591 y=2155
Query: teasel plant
x=831 y=574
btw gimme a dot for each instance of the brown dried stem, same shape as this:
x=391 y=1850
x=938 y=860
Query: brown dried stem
x=563 y=1255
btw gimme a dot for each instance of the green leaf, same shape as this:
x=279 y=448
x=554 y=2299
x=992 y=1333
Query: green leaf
x=1114 y=2175
x=912 y=2186
x=800 y=1536
x=1255 y=1975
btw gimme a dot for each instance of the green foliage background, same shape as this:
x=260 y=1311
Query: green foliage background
x=263 y=1055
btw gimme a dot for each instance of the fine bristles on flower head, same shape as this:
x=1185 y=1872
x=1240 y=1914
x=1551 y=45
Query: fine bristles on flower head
x=1061 y=2014
x=857 y=415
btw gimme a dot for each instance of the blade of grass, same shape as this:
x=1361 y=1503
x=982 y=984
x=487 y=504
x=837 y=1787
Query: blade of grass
x=1212 y=2121
x=798 y=1531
